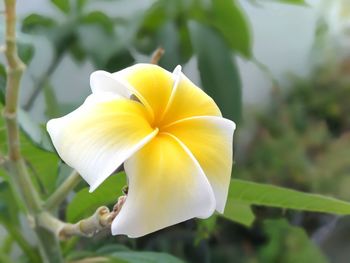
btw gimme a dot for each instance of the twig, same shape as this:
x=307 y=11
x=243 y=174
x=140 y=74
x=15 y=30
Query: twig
x=90 y=226
x=48 y=245
x=157 y=55
x=14 y=74
x=62 y=191
x=87 y=227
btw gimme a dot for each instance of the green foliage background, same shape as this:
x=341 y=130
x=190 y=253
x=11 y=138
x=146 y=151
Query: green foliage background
x=300 y=141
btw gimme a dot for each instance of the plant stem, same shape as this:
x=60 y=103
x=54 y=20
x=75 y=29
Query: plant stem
x=157 y=55
x=48 y=243
x=62 y=191
x=86 y=227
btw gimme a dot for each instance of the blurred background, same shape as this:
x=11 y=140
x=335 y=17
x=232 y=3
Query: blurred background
x=279 y=68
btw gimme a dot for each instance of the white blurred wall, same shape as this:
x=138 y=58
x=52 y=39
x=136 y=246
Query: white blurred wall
x=283 y=36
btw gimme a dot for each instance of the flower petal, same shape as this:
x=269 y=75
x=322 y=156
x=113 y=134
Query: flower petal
x=166 y=186
x=100 y=135
x=210 y=141
x=102 y=81
x=188 y=100
x=151 y=84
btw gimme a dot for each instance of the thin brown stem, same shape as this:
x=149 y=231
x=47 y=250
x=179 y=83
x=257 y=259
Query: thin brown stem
x=157 y=55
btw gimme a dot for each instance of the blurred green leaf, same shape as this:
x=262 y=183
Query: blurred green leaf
x=144 y=257
x=42 y=165
x=118 y=61
x=8 y=206
x=62 y=5
x=81 y=4
x=85 y=203
x=218 y=71
x=229 y=19
x=99 y=18
x=52 y=109
x=35 y=23
x=288 y=244
x=295 y=2
x=239 y=212
x=165 y=25
x=9 y=218
x=63 y=173
x=205 y=228
x=78 y=54
x=111 y=248
x=34 y=131
x=2 y=83
x=25 y=52
x=291 y=2
x=275 y=196
x=160 y=12
x=174 y=38
x=123 y=256
x=105 y=50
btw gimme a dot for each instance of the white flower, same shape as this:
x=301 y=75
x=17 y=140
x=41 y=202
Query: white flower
x=175 y=145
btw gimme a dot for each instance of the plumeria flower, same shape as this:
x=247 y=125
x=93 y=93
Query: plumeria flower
x=171 y=137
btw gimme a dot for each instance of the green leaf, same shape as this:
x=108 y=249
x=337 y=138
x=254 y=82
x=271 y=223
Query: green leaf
x=157 y=15
x=175 y=39
x=62 y=5
x=144 y=257
x=52 y=109
x=26 y=52
x=165 y=25
x=84 y=203
x=34 y=131
x=218 y=71
x=35 y=23
x=205 y=229
x=275 y=196
x=121 y=59
x=81 y=4
x=288 y=244
x=294 y=2
x=106 y=56
x=2 y=84
x=77 y=53
x=239 y=212
x=42 y=165
x=229 y=19
x=8 y=206
x=111 y=248
x=99 y=18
